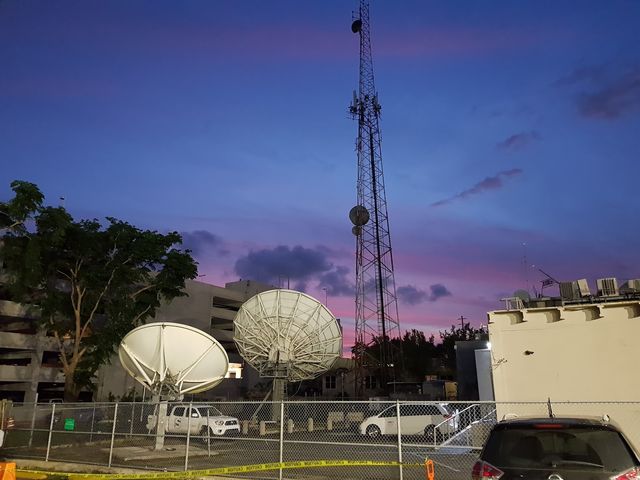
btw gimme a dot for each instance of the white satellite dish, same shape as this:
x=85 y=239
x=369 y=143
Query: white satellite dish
x=174 y=359
x=287 y=334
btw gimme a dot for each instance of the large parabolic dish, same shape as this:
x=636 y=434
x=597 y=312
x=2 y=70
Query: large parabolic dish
x=173 y=358
x=287 y=334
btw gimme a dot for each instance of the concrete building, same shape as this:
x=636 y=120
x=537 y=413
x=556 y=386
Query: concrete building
x=28 y=359
x=211 y=309
x=29 y=362
x=576 y=348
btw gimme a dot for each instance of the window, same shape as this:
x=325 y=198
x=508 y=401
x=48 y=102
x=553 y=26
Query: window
x=427 y=410
x=407 y=410
x=370 y=382
x=389 y=412
x=178 y=411
x=330 y=382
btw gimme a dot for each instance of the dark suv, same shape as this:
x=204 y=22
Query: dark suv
x=556 y=449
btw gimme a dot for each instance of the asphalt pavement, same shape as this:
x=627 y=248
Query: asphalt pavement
x=136 y=452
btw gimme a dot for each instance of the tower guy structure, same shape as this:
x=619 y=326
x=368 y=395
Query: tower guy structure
x=376 y=303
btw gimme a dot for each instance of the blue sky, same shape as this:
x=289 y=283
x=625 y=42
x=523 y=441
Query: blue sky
x=509 y=129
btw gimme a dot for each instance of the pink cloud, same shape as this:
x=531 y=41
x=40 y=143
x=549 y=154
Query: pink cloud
x=309 y=41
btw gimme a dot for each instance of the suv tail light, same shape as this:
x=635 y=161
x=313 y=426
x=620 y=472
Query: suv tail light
x=628 y=475
x=486 y=471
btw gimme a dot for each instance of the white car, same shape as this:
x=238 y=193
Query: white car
x=415 y=419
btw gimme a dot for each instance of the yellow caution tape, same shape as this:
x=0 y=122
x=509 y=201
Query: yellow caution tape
x=42 y=475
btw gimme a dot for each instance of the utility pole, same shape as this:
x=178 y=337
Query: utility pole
x=462 y=319
x=376 y=303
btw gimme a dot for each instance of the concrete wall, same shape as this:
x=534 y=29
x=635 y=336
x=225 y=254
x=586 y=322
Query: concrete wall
x=483 y=370
x=577 y=353
x=467 y=375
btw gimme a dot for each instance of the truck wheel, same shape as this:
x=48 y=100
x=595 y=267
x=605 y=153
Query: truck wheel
x=203 y=434
x=432 y=433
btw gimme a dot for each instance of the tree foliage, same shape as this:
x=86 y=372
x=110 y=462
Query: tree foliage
x=457 y=334
x=421 y=356
x=14 y=213
x=92 y=282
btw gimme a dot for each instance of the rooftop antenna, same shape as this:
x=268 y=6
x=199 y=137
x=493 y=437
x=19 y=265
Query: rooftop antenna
x=551 y=415
x=525 y=266
x=547 y=282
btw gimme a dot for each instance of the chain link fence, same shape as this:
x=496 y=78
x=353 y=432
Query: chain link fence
x=197 y=436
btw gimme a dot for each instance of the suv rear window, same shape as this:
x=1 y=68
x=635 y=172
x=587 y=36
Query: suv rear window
x=525 y=446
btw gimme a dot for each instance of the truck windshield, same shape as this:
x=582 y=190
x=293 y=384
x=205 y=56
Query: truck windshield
x=208 y=411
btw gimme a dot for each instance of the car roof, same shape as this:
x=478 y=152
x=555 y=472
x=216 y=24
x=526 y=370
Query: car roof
x=569 y=421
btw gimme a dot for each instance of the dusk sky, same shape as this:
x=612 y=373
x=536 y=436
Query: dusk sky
x=510 y=129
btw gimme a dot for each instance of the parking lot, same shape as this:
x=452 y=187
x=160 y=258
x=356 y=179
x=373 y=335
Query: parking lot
x=309 y=431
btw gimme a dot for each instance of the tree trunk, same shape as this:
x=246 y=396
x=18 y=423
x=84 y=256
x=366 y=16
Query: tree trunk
x=71 y=391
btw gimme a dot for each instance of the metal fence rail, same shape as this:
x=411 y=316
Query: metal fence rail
x=229 y=434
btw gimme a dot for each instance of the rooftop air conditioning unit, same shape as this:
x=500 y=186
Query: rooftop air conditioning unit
x=630 y=286
x=607 y=287
x=583 y=287
x=634 y=285
x=569 y=291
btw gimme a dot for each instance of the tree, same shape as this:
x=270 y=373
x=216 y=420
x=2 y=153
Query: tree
x=91 y=282
x=14 y=213
x=417 y=351
x=457 y=334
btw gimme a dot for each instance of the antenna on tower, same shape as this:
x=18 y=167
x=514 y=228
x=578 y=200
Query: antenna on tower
x=377 y=321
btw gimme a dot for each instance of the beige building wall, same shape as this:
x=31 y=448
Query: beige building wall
x=572 y=353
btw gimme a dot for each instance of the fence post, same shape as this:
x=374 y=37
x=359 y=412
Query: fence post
x=399 y=437
x=208 y=433
x=113 y=433
x=53 y=415
x=133 y=409
x=33 y=419
x=93 y=421
x=186 y=450
x=281 y=437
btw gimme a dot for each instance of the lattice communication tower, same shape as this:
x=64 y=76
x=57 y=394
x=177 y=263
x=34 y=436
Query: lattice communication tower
x=376 y=303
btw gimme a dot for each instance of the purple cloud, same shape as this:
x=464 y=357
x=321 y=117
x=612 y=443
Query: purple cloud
x=200 y=241
x=269 y=265
x=297 y=266
x=518 y=141
x=610 y=93
x=617 y=98
x=438 y=291
x=489 y=183
x=412 y=296
x=337 y=282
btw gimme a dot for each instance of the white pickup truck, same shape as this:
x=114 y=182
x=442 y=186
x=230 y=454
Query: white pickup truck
x=202 y=416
